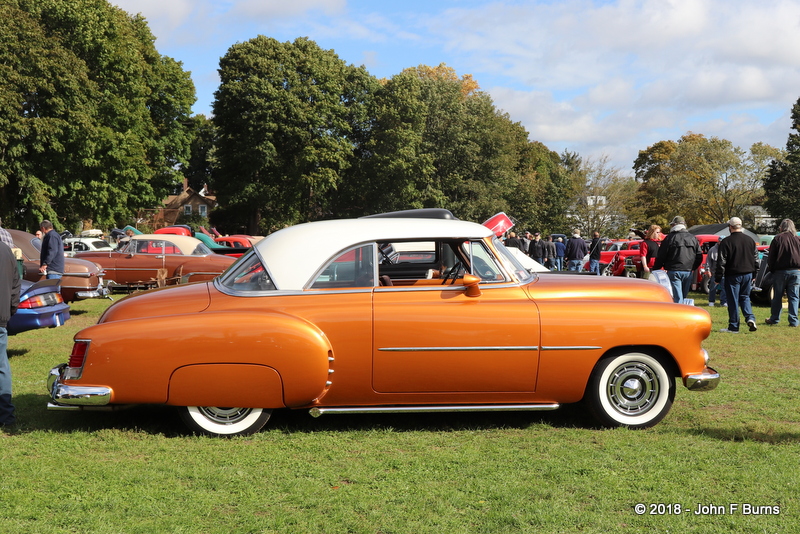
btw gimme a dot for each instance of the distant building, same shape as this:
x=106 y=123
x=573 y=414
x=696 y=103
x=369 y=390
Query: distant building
x=187 y=202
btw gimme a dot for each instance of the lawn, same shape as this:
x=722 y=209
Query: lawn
x=733 y=452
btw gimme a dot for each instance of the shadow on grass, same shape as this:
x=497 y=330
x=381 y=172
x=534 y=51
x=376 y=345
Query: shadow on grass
x=744 y=434
x=33 y=415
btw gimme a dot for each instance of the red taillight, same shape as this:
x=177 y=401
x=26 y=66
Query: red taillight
x=78 y=355
x=40 y=301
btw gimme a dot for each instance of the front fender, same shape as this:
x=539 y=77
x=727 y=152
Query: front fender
x=138 y=357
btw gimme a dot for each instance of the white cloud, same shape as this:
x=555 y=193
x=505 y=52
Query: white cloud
x=596 y=77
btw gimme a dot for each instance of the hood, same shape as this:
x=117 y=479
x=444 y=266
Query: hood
x=586 y=287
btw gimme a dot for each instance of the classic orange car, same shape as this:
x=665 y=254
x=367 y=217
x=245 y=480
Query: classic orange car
x=388 y=314
x=82 y=280
x=149 y=258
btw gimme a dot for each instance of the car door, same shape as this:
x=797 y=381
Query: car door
x=142 y=260
x=430 y=336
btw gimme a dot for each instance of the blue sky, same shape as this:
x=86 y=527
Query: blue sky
x=601 y=78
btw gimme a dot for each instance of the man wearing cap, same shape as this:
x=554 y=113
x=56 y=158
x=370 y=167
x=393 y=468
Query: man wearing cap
x=784 y=264
x=736 y=261
x=679 y=255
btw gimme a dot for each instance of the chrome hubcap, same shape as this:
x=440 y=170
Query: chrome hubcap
x=633 y=388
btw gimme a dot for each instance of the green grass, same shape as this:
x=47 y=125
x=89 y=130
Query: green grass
x=137 y=471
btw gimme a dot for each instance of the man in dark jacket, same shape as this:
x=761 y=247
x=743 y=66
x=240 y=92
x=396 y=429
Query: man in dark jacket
x=51 y=258
x=736 y=261
x=784 y=264
x=575 y=251
x=9 y=300
x=595 y=248
x=679 y=255
x=536 y=248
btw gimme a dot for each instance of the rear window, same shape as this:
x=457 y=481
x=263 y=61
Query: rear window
x=247 y=275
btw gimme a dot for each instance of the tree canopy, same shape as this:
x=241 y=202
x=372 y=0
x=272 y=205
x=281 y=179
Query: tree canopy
x=91 y=116
x=782 y=184
x=706 y=180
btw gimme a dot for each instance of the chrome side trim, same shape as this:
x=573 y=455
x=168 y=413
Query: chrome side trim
x=705 y=381
x=577 y=347
x=440 y=349
x=320 y=410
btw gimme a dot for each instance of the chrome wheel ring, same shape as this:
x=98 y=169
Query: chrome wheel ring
x=633 y=388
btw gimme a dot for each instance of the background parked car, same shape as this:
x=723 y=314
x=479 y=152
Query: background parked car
x=151 y=260
x=73 y=245
x=82 y=279
x=40 y=306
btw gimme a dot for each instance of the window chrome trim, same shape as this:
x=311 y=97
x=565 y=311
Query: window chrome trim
x=448 y=287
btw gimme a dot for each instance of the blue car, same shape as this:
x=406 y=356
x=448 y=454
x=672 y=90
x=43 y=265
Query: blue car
x=40 y=306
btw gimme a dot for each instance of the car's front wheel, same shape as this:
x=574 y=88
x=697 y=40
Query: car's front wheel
x=216 y=421
x=632 y=390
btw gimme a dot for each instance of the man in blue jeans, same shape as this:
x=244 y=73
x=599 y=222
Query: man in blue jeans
x=737 y=262
x=679 y=255
x=9 y=300
x=51 y=257
x=784 y=264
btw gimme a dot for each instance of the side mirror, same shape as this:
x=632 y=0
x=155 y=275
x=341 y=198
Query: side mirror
x=471 y=285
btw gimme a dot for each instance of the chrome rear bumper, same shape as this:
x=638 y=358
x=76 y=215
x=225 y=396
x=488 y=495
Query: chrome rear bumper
x=65 y=397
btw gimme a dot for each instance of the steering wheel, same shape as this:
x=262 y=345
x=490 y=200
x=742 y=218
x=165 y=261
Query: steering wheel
x=452 y=272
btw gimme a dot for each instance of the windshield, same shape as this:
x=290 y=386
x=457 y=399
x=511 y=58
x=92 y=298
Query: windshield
x=510 y=262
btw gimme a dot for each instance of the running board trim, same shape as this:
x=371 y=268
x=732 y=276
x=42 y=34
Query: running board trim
x=318 y=411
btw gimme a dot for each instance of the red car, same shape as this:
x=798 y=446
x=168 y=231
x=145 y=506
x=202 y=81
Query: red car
x=627 y=261
x=699 y=280
x=607 y=255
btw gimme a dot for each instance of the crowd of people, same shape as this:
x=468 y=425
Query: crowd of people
x=731 y=264
x=551 y=251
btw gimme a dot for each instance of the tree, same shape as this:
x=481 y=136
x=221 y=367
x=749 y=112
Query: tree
x=390 y=171
x=88 y=108
x=200 y=165
x=284 y=114
x=605 y=202
x=705 y=180
x=782 y=184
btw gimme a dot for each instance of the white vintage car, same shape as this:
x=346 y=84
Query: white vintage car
x=73 y=245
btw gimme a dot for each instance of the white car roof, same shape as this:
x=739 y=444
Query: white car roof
x=294 y=254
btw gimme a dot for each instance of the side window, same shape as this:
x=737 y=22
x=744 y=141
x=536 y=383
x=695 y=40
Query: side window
x=352 y=268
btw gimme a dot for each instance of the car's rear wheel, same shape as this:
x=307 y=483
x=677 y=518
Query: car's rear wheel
x=217 y=421
x=607 y=269
x=632 y=390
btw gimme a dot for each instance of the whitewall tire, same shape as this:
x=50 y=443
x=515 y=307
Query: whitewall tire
x=633 y=390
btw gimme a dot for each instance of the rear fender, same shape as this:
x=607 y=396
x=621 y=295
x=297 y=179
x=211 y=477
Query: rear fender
x=139 y=358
